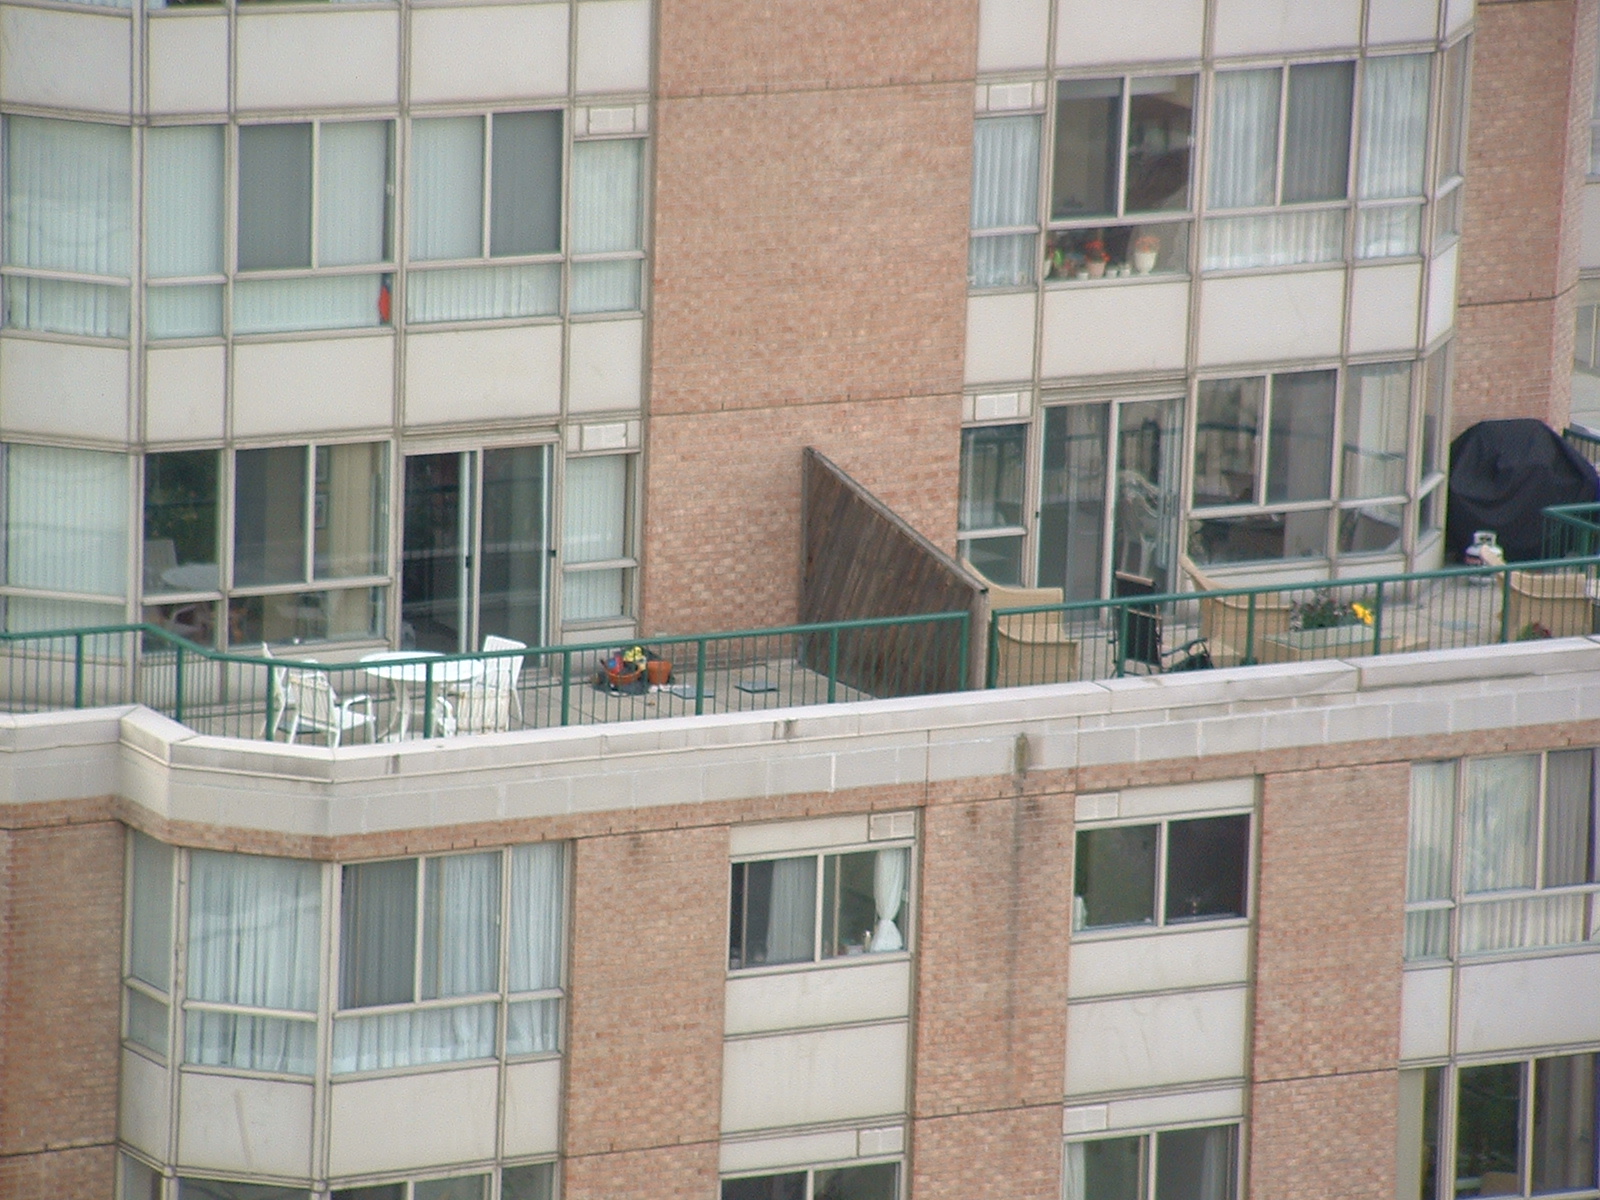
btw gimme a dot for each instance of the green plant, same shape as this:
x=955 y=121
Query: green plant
x=1533 y=631
x=1325 y=611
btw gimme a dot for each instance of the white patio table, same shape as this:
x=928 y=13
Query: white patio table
x=402 y=670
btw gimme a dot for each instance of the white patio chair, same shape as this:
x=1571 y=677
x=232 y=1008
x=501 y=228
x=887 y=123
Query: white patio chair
x=317 y=708
x=485 y=704
x=510 y=666
x=283 y=699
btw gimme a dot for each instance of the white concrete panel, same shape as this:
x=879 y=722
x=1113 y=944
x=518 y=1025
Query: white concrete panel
x=235 y=1123
x=1000 y=338
x=1185 y=958
x=1589 y=248
x=1456 y=14
x=813 y=1078
x=781 y=836
x=1529 y=1002
x=312 y=386
x=142 y=1105
x=1156 y=1041
x=1013 y=35
x=60 y=388
x=188 y=71
x=769 y=1153
x=1260 y=318
x=1442 y=292
x=1268 y=26
x=483 y=374
x=1115 y=328
x=303 y=60
x=1425 y=1013
x=606 y=371
x=1181 y=799
x=185 y=391
x=533 y=1107
x=851 y=991
x=613 y=46
x=1092 y=31
x=1217 y=1104
x=60 y=59
x=488 y=53
x=407 y=1121
x=1383 y=307
x=1391 y=21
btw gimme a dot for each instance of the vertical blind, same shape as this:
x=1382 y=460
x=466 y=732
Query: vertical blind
x=1392 y=163
x=606 y=208
x=594 y=530
x=184 y=228
x=66 y=520
x=1005 y=194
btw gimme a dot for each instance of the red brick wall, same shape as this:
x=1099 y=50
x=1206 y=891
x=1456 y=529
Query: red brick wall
x=1527 y=152
x=60 y=967
x=813 y=165
x=1333 y=1135
x=644 y=1060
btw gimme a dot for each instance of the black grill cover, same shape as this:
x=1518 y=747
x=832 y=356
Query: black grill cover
x=1503 y=474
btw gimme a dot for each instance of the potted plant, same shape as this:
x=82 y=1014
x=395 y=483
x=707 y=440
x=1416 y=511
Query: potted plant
x=1145 y=248
x=1095 y=258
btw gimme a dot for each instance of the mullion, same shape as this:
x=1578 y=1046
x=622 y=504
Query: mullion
x=417 y=936
x=1283 y=134
x=488 y=181
x=1126 y=103
x=818 y=900
x=308 y=531
x=1264 y=437
x=316 y=188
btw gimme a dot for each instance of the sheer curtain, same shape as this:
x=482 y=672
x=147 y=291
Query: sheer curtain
x=792 y=913
x=1005 y=194
x=184 y=228
x=68 y=207
x=1244 y=139
x=66 y=531
x=1499 y=848
x=1430 y=853
x=353 y=201
x=888 y=892
x=1377 y=415
x=538 y=894
x=594 y=529
x=1394 y=139
x=254 y=935
x=605 y=219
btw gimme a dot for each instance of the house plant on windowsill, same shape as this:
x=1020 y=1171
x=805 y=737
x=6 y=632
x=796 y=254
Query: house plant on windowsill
x=1095 y=258
x=1145 y=248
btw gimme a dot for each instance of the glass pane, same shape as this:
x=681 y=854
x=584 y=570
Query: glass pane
x=378 y=933
x=1452 y=111
x=594 y=595
x=1118 y=251
x=998 y=559
x=597 y=509
x=461 y=925
x=1002 y=260
x=1434 y=393
x=605 y=195
x=318 y=302
x=1300 y=441
x=1394 y=126
x=1564 y=1123
x=850 y=920
x=1432 y=831
x=1244 y=138
x=1488 y=1157
x=1282 y=239
x=139 y=1182
x=68 y=191
x=1500 y=841
x=533 y=1027
x=254 y=930
x=61 y=306
x=147 y=1022
x=150 y=912
x=606 y=286
x=1373 y=529
x=353 y=193
x=195 y=621
x=180 y=522
x=775 y=917
x=991 y=477
x=1207 y=868
x=514 y=556
x=351 y=614
x=1316 y=144
x=1160 y=137
x=1427 y=935
x=1088 y=142
x=1569 y=819
x=534 y=1182
x=446 y=189
x=1005 y=172
x=414 y=1037
x=190 y=311
x=462 y=1187
x=1072 y=506
x=1377 y=418
x=484 y=293
x=1226 y=441
x=1114 y=877
x=1107 y=1169
x=66 y=519
x=1196 y=1164
x=1447 y=215
x=1259 y=537
x=1521 y=924
x=225 y=1039
x=183 y=200
x=214 y=1189
x=378 y=1191
x=1149 y=463
x=525 y=184
x=274 y=196
x=1392 y=232
x=433 y=554
x=269 y=516
x=349 y=517
x=876 y=1182
x=766 y=1187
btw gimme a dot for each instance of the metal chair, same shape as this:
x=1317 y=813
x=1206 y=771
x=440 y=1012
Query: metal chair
x=313 y=706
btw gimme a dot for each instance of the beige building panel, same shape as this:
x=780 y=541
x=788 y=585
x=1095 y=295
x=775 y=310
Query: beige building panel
x=1383 y=307
x=483 y=374
x=1013 y=35
x=238 y=1124
x=533 y=1107
x=1529 y=1003
x=1425 y=1014
x=406 y=1122
x=300 y=60
x=1115 y=328
x=811 y=1078
x=185 y=392
x=772 y=1154
x=605 y=372
x=1271 y=318
x=841 y=993
x=312 y=387
x=1000 y=338
x=1442 y=292
x=1456 y=15
x=74 y=60
x=1273 y=26
x=142 y=1105
x=1589 y=249
x=1090 y=32
x=1402 y=21
x=1156 y=1041
x=465 y=54
x=64 y=390
x=1195 y=958
x=613 y=46
x=188 y=63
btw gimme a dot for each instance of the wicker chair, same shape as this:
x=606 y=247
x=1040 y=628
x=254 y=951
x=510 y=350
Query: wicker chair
x=1225 y=621
x=1029 y=647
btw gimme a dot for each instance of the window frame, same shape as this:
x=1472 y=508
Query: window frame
x=1149 y=1138
x=1160 y=922
x=810 y=1172
x=627 y=563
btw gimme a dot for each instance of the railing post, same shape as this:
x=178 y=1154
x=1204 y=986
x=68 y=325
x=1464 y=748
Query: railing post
x=965 y=651
x=267 y=727
x=991 y=665
x=1122 y=640
x=700 y=677
x=566 y=684
x=1377 y=621
x=1505 y=604
x=833 y=663
x=1249 y=658
x=177 y=686
x=427 y=699
x=77 y=671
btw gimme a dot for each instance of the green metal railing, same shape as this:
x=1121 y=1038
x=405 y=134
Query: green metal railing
x=1571 y=530
x=1584 y=442
x=421 y=695
x=1454 y=608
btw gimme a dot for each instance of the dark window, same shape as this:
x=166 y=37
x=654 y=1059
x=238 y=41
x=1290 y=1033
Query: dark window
x=1206 y=865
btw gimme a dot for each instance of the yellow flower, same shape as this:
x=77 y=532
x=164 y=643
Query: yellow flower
x=1363 y=612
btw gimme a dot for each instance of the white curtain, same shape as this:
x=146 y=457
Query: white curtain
x=1075 y=1181
x=1281 y=239
x=1393 y=231
x=447 y=188
x=316 y=302
x=1005 y=194
x=1244 y=139
x=1377 y=415
x=538 y=894
x=1430 y=853
x=791 y=912
x=254 y=934
x=595 y=524
x=605 y=196
x=66 y=519
x=1394 y=127
x=1520 y=924
x=461 y=925
x=414 y=1037
x=607 y=286
x=353 y=200
x=888 y=892
x=68 y=189
x=1502 y=823
x=484 y=293
x=183 y=228
x=1569 y=819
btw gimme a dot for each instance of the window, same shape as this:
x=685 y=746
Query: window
x=148 y=979
x=1376 y=428
x=1452 y=154
x=990 y=517
x=68 y=226
x=1119 y=176
x=314 y=211
x=1527 y=860
x=1526 y=1128
x=1393 y=158
x=419 y=941
x=607 y=229
x=1175 y=1164
x=139 y=1181
x=1005 y=202
x=531 y=1182
x=184 y=231
x=1167 y=873
x=779 y=913
x=1305 y=171
x=597 y=554
x=65 y=537
x=221 y=1189
x=879 y=1181
x=1434 y=438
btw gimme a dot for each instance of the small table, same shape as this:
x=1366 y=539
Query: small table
x=408 y=669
